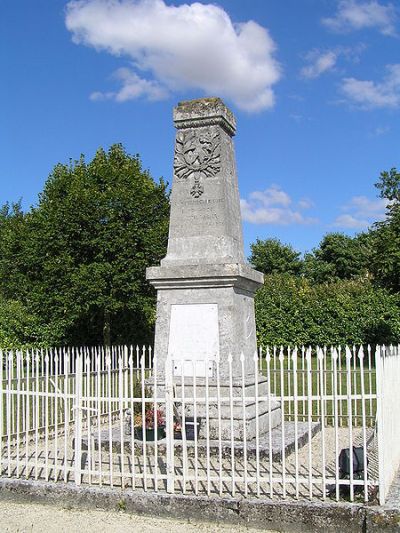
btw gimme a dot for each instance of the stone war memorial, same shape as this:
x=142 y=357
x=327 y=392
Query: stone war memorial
x=205 y=289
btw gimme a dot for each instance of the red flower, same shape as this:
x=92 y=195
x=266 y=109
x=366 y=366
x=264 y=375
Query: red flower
x=152 y=416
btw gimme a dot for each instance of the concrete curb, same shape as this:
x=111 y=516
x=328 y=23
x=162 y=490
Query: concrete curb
x=297 y=517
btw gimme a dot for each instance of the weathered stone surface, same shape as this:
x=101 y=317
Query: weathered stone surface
x=387 y=520
x=205 y=225
x=284 y=516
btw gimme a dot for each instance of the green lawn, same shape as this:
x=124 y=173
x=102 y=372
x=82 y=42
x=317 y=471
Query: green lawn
x=321 y=385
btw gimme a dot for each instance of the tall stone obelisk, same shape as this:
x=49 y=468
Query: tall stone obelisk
x=204 y=287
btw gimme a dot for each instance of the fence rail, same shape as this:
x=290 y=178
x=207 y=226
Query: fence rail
x=271 y=425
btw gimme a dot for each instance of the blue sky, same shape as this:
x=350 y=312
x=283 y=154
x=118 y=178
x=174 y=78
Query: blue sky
x=314 y=84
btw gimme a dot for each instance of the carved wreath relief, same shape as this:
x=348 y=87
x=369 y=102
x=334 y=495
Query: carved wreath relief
x=198 y=156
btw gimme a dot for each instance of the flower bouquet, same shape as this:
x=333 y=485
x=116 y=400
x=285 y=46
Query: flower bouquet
x=151 y=427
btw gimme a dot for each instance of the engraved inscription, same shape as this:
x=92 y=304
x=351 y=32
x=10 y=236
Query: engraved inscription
x=200 y=211
x=197 y=156
x=202 y=202
x=205 y=215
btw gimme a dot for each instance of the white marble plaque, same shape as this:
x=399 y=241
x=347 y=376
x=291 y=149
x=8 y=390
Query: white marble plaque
x=193 y=338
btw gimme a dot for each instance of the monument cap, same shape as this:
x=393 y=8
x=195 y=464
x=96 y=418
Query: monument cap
x=204 y=112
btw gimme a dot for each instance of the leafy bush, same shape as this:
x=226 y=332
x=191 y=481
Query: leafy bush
x=291 y=310
x=19 y=328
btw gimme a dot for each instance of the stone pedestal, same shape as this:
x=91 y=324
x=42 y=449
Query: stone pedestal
x=205 y=310
x=205 y=290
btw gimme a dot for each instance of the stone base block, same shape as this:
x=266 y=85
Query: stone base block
x=230 y=408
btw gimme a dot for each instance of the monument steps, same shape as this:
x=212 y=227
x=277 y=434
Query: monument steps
x=266 y=444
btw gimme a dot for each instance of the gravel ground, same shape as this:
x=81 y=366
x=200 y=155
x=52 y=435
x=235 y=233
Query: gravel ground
x=65 y=449
x=35 y=518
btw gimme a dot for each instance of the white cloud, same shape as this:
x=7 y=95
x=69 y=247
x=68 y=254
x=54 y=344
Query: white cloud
x=305 y=203
x=364 y=206
x=132 y=87
x=194 y=46
x=362 y=212
x=367 y=94
x=297 y=117
x=351 y=222
x=381 y=130
x=272 y=196
x=319 y=62
x=272 y=206
x=358 y=15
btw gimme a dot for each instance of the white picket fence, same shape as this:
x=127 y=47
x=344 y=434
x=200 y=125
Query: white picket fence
x=83 y=416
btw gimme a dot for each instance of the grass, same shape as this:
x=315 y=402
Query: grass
x=42 y=410
x=319 y=380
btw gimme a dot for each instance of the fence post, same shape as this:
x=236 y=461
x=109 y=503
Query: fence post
x=2 y=410
x=126 y=377
x=380 y=422
x=78 y=419
x=169 y=425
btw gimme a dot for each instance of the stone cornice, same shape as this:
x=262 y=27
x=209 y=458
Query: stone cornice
x=204 y=112
x=237 y=275
x=201 y=122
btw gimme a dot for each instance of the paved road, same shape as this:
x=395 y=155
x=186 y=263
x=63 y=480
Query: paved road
x=36 y=518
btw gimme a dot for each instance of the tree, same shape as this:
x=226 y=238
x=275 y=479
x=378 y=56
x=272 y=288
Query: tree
x=338 y=257
x=270 y=256
x=385 y=260
x=85 y=248
x=316 y=269
x=389 y=186
x=12 y=241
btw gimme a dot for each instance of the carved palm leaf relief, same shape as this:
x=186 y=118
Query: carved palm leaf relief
x=197 y=156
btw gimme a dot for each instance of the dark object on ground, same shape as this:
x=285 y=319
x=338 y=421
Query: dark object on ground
x=357 y=458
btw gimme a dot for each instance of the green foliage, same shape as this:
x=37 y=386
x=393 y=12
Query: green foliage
x=389 y=185
x=385 y=259
x=270 y=256
x=13 y=238
x=77 y=261
x=316 y=269
x=292 y=310
x=338 y=257
x=18 y=328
